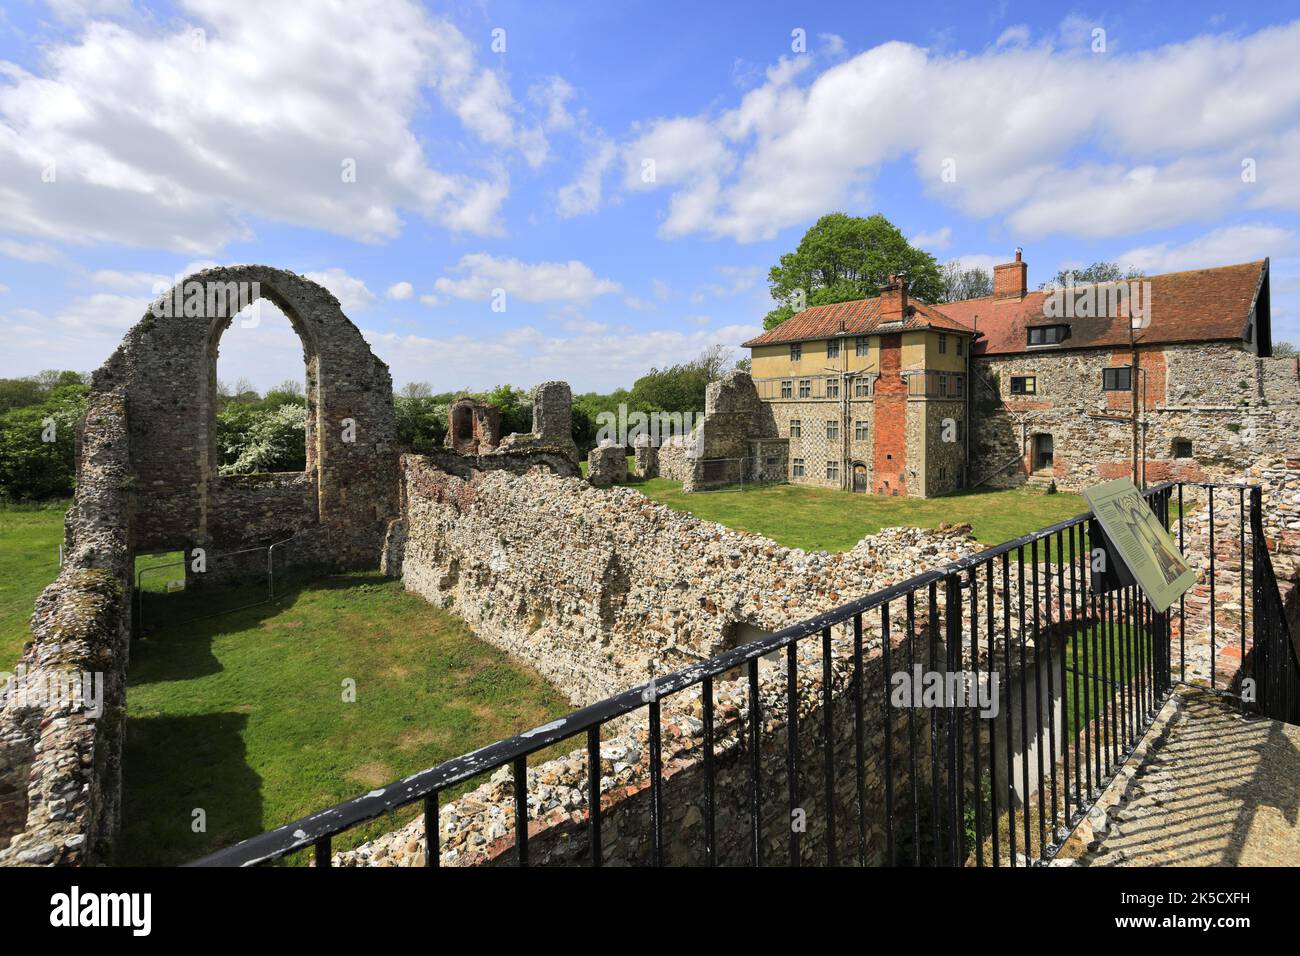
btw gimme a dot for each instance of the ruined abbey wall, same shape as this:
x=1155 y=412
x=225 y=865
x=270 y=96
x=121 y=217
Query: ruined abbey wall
x=602 y=589
x=147 y=481
x=166 y=367
x=60 y=763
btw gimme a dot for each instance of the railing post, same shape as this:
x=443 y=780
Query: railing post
x=952 y=665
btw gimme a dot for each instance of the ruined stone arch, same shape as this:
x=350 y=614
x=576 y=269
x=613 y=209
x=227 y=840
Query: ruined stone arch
x=166 y=369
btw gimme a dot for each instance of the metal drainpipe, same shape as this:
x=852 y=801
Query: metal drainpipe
x=846 y=466
x=966 y=387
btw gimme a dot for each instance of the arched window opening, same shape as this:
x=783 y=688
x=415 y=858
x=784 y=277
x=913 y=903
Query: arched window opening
x=264 y=395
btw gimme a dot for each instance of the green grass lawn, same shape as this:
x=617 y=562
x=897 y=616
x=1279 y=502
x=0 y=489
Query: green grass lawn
x=822 y=519
x=242 y=715
x=29 y=560
x=1112 y=657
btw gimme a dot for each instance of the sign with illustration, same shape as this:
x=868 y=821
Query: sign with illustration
x=1137 y=538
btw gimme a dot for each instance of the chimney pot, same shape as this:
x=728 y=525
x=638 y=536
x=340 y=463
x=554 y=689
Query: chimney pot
x=893 y=298
x=1009 y=278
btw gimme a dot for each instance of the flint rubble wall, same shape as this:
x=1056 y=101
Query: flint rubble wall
x=60 y=765
x=602 y=590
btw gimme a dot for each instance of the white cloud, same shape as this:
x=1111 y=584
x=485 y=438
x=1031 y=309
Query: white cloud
x=738 y=279
x=571 y=281
x=1017 y=35
x=941 y=238
x=553 y=94
x=1029 y=133
x=1097 y=201
x=832 y=43
x=583 y=195
x=79 y=336
x=400 y=291
x=580 y=324
x=1241 y=243
x=978 y=260
x=3 y=288
x=351 y=292
x=78 y=11
x=29 y=251
x=129 y=281
x=172 y=137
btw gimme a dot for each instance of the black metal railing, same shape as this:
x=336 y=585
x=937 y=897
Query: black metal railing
x=1081 y=666
x=1274 y=665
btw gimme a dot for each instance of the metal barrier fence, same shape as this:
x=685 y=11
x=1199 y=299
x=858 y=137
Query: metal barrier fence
x=215 y=560
x=959 y=789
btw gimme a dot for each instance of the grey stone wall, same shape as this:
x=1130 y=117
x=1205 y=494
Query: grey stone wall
x=640 y=591
x=674 y=459
x=600 y=589
x=720 y=449
x=473 y=427
x=60 y=764
x=607 y=465
x=552 y=421
x=1232 y=406
x=944 y=460
x=166 y=366
x=147 y=481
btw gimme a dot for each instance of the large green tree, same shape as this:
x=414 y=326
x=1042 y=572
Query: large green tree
x=38 y=439
x=848 y=257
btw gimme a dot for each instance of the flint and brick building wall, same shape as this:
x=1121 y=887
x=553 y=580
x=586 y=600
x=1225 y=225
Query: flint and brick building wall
x=878 y=425
x=1230 y=405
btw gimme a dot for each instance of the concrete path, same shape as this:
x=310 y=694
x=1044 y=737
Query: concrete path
x=1211 y=789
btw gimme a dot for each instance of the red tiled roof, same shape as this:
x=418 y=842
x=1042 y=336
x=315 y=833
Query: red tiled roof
x=1201 y=305
x=860 y=317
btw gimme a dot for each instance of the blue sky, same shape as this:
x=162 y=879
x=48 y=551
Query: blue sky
x=214 y=131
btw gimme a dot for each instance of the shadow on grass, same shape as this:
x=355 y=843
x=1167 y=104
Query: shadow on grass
x=177 y=644
x=245 y=715
x=159 y=807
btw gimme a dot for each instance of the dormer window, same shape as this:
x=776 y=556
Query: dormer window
x=1047 y=334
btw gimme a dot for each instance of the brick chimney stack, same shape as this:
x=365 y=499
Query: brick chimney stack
x=1009 y=279
x=893 y=299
